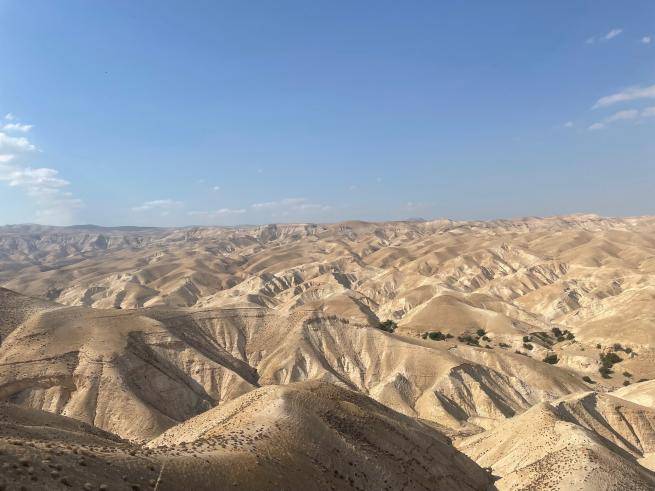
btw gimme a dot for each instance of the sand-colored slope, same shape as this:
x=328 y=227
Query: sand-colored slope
x=586 y=441
x=43 y=451
x=315 y=436
x=168 y=365
x=301 y=436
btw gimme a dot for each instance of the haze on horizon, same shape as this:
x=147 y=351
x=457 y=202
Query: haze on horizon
x=162 y=114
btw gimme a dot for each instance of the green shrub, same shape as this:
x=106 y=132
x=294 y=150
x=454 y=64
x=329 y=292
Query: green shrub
x=504 y=345
x=610 y=359
x=388 y=326
x=598 y=346
x=468 y=339
x=606 y=372
x=627 y=374
x=480 y=332
x=528 y=346
x=437 y=336
x=552 y=359
x=527 y=339
x=570 y=336
x=626 y=383
x=627 y=350
x=557 y=332
x=486 y=338
x=588 y=379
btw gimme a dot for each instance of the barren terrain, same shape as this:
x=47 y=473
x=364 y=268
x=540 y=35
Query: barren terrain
x=263 y=357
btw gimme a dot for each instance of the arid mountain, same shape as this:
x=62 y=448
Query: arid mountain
x=585 y=441
x=173 y=336
x=298 y=436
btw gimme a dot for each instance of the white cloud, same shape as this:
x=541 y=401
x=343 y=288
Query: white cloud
x=568 y=124
x=626 y=115
x=23 y=128
x=289 y=205
x=646 y=40
x=613 y=33
x=14 y=144
x=622 y=116
x=43 y=185
x=159 y=205
x=591 y=40
x=216 y=188
x=626 y=95
x=218 y=213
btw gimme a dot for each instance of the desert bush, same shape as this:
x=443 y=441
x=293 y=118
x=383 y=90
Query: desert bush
x=437 y=336
x=528 y=346
x=527 y=339
x=610 y=359
x=606 y=372
x=552 y=359
x=504 y=345
x=388 y=326
x=588 y=379
x=627 y=374
x=557 y=332
x=480 y=332
x=626 y=383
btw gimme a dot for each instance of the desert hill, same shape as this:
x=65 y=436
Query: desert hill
x=586 y=441
x=529 y=342
x=299 y=436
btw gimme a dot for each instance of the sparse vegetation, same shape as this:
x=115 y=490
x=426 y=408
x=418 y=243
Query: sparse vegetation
x=610 y=359
x=388 y=326
x=486 y=338
x=627 y=374
x=527 y=339
x=551 y=358
x=480 y=332
x=588 y=379
x=557 y=332
x=626 y=383
x=437 y=336
x=528 y=346
x=606 y=372
x=468 y=339
x=504 y=345
x=598 y=346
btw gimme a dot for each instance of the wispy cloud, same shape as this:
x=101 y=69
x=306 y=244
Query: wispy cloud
x=43 y=185
x=646 y=40
x=568 y=124
x=23 y=128
x=606 y=37
x=159 y=205
x=290 y=205
x=10 y=145
x=218 y=213
x=626 y=95
x=626 y=115
x=613 y=33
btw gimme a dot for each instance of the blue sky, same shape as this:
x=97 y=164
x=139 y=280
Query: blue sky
x=213 y=112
